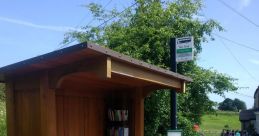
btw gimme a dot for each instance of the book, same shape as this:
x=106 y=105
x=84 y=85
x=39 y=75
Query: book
x=126 y=115
x=116 y=117
x=121 y=131
x=119 y=115
x=122 y=115
x=126 y=132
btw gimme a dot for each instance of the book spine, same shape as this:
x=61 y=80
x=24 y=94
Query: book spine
x=126 y=131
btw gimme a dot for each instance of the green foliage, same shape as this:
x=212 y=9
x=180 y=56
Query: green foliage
x=2 y=111
x=157 y=113
x=143 y=32
x=196 y=100
x=232 y=105
x=3 y=127
x=2 y=92
x=241 y=105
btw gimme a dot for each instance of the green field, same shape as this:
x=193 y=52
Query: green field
x=212 y=124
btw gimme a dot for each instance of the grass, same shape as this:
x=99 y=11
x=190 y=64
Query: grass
x=2 y=119
x=212 y=124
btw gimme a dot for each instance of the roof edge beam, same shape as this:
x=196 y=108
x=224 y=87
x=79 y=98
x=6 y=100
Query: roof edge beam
x=128 y=70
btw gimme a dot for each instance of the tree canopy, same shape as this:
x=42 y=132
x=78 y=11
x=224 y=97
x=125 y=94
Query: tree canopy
x=143 y=32
x=232 y=105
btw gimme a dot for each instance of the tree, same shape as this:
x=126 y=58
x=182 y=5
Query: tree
x=227 y=105
x=240 y=105
x=232 y=105
x=143 y=32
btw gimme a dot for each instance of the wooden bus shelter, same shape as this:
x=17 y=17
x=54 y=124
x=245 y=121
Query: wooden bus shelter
x=82 y=90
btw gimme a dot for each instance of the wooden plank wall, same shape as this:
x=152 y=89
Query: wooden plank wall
x=10 y=109
x=80 y=116
x=39 y=111
x=47 y=107
x=28 y=114
x=31 y=106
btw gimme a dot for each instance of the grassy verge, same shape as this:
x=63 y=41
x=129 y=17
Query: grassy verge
x=2 y=119
x=212 y=124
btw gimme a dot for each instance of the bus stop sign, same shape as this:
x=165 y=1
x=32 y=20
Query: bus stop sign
x=184 y=49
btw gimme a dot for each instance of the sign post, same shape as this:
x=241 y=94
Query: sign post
x=181 y=50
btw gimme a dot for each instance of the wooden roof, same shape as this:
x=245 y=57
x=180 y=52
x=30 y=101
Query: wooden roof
x=248 y=115
x=117 y=64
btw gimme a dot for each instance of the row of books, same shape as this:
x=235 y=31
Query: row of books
x=118 y=115
x=118 y=131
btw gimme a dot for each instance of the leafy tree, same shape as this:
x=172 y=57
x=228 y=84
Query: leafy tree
x=143 y=32
x=232 y=105
x=241 y=105
x=227 y=105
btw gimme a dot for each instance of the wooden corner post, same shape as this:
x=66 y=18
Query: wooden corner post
x=10 y=109
x=139 y=112
x=47 y=107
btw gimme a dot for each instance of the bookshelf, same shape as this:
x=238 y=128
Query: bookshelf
x=118 y=117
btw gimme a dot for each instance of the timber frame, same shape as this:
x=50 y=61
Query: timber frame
x=40 y=90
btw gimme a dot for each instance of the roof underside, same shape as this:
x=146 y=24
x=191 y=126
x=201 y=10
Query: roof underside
x=247 y=115
x=89 y=51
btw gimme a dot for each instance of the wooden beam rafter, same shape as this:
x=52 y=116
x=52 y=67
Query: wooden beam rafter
x=128 y=70
x=100 y=67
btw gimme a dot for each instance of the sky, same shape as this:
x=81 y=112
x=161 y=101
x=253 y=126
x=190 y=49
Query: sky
x=30 y=28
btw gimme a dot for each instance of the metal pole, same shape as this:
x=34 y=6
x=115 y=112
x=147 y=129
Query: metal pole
x=173 y=67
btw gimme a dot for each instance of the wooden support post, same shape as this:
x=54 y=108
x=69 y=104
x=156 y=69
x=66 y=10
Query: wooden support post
x=139 y=112
x=10 y=109
x=47 y=107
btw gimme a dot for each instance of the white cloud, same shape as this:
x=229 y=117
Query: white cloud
x=244 y=3
x=46 y=27
x=254 y=61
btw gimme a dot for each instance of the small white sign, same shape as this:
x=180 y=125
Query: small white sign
x=174 y=133
x=184 y=49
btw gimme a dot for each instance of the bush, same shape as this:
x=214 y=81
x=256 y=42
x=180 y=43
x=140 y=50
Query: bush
x=3 y=127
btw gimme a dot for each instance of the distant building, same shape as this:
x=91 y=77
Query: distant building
x=250 y=118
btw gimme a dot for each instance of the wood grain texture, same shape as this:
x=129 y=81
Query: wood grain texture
x=131 y=71
x=73 y=116
x=27 y=113
x=60 y=115
x=99 y=67
x=10 y=109
x=80 y=116
x=139 y=112
x=47 y=107
x=95 y=117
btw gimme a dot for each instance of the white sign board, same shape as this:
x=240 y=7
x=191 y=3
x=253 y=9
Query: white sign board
x=174 y=133
x=184 y=49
